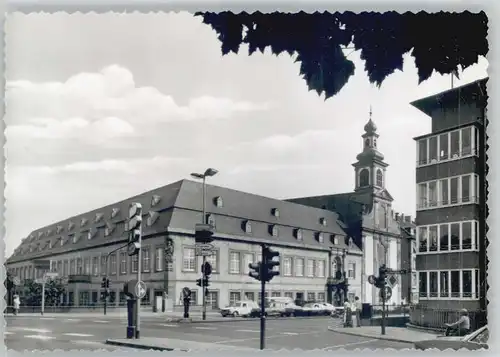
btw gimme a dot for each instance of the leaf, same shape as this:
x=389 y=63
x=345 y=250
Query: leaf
x=439 y=42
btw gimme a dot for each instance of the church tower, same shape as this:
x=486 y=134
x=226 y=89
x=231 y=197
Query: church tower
x=370 y=168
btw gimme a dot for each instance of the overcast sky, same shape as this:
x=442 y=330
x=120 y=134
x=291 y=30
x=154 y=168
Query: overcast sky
x=102 y=107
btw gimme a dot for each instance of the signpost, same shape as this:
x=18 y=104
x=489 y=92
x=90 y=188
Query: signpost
x=140 y=290
x=385 y=294
x=204 y=249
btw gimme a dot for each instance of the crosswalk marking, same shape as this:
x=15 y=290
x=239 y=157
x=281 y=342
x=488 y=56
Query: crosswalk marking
x=29 y=329
x=40 y=337
x=8 y=333
x=169 y=325
x=101 y=321
x=206 y=328
x=290 y=333
x=247 y=331
x=75 y=320
x=78 y=334
x=47 y=318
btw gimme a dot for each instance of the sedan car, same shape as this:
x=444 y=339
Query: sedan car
x=474 y=341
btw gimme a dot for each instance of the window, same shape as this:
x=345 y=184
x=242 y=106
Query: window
x=159 y=259
x=422 y=152
x=455 y=283
x=135 y=263
x=311 y=296
x=444 y=282
x=466 y=141
x=455 y=144
x=250 y=295
x=422 y=283
x=123 y=263
x=273 y=230
x=275 y=212
x=467 y=283
x=455 y=236
x=433 y=149
x=189 y=259
x=351 y=272
x=443 y=147
x=287 y=266
x=443 y=187
x=444 y=237
x=112 y=264
x=212 y=259
x=95 y=266
x=104 y=268
x=454 y=190
x=320 y=268
x=433 y=238
x=72 y=267
x=234 y=263
x=65 y=268
x=433 y=284
x=422 y=195
x=466 y=235
x=87 y=266
x=478 y=283
x=321 y=297
x=146 y=261
x=319 y=237
x=422 y=238
x=299 y=266
x=433 y=194
x=79 y=267
x=466 y=181
x=234 y=297
x=298 y=233
x=275 y=294
x=310 y=268
x=364 y=178
x=380 y=178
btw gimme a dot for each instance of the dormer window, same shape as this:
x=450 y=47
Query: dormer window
x=61 y=241
x=247 y=227
x=152 y=218
x=50 y=244
x=114 y=212
x=210 y=219
x=83 y=222
x=273 y=230
x=98 y=217
x=319 y=237
x=109 y=229
x=322 y=221
x=49 y=232
x=218 y=201
x=275 y=212
x=70 y=225
x=297 y=233
x=40 y=235
x=75 y=238
x=334 y=239
x=31 y=248
x=155 y=200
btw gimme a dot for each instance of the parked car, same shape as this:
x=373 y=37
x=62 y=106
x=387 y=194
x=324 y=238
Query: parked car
x=314 y=309
x=474 y=341
x=240 y=308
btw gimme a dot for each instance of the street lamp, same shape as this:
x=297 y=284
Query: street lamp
x=208 y=173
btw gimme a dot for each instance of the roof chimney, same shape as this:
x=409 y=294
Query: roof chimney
x=408 y=219
x=396 y=216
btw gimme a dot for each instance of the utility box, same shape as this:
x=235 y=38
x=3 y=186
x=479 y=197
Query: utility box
x=366 y=311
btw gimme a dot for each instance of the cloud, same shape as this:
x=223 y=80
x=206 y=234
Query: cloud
x=109 y=98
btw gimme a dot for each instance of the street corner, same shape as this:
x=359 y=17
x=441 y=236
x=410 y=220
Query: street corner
x=138 y=344
x=359 y=333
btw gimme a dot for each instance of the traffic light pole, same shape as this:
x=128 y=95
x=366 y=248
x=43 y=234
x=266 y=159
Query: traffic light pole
x=262 y=314
x=204 y=308
x=138 y=301
x=106 y=274
x=382 y=323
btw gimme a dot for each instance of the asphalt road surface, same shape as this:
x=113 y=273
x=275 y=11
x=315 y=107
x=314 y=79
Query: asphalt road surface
x=90 y=333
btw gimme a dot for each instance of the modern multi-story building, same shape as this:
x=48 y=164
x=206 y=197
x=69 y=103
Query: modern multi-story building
x=368 y=215
x=309 y=241
x=451 y=204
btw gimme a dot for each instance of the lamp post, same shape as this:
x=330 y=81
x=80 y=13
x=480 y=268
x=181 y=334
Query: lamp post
x=208 y=173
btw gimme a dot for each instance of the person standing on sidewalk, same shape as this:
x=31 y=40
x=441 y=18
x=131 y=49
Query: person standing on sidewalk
x=357 y=310
x=17 y=303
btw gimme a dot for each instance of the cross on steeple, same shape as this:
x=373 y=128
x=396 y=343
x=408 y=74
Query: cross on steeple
x=370 y=112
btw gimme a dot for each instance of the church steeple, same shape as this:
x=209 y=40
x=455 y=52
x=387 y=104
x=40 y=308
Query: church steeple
x=370 y=167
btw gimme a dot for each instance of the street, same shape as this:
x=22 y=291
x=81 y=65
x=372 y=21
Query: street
x=90 y=333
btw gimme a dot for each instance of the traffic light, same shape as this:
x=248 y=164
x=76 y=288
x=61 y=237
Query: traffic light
x=256 y=273
x=107 y=283
x=203 y=233
x=103 y=284
x=134 y=227
x=205 y=282
x=380 y=281
x=269 y=264
x=206 y=269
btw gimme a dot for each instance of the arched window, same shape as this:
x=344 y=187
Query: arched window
x=367 y=143
x=380 y=178
x=364 y=178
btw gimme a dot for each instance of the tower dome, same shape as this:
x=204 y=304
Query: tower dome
x=370 y=127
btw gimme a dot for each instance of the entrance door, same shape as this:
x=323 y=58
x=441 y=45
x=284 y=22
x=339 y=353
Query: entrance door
x=299 y=296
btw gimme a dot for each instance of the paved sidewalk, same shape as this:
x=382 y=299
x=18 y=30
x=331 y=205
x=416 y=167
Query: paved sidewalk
x=395 y=334
x=170 y=344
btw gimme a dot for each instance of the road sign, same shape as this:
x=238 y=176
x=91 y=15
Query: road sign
x=140 y=289
x=388 y=293
x=204 y=249
x=133 y=248
x=51 y=275
x=372 y=279
x=39 y=281
x=16 y=281
x=206 y=268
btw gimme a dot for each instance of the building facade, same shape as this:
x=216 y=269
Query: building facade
x=85 y=248
x=369 y=218
x=451 y=202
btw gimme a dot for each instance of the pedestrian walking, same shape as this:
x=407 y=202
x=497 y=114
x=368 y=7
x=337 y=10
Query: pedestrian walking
x=347 y=314
x=358 y=307
x=17 y=303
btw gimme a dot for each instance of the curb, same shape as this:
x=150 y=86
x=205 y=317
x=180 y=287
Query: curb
x=141 y=346
x=231 y=319
x=392 y=339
